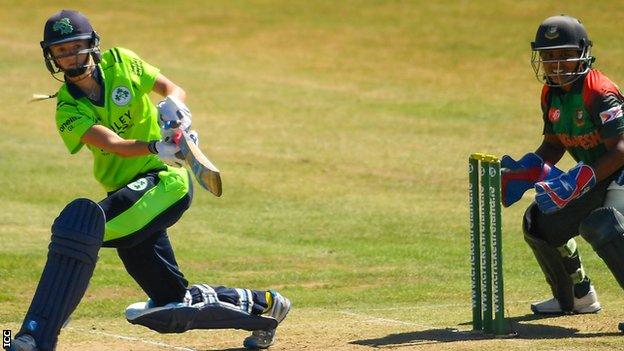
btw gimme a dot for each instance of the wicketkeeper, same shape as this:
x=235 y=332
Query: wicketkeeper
x=582 y=114
x=104 y=105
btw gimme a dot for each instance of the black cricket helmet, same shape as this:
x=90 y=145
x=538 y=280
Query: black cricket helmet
x=561 y=32
x=65 y=26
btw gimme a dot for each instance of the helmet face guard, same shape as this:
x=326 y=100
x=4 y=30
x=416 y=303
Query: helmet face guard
x=92 y=60
x=67 y=26
x=558 y=74
x=565 y=33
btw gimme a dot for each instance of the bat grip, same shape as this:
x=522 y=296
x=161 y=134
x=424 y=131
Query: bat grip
x=177 y=136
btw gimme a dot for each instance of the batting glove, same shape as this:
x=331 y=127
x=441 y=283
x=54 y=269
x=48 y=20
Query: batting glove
x=554 y=194
x=171 y=134
x=519 y=176
x=172 y=110
x=168 y=152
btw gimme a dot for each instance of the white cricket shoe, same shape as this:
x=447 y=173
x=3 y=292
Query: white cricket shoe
x=586 y=304
x=262 y=339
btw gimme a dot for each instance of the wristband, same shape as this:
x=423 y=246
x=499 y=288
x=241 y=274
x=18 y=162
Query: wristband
x=151 y=146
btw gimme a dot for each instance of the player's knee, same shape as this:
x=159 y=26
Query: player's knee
x=602 y=226
x=78 y=231
x=527 y=223
x=532 y=234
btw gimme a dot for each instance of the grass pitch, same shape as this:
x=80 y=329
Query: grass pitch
x=342 y=130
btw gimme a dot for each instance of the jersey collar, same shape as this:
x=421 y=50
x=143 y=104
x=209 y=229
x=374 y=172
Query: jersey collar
x=76 y=93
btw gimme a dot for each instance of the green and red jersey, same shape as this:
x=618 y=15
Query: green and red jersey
x=585 y=116
x=125 y=108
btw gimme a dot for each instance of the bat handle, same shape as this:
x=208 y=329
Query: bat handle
x=177 y=136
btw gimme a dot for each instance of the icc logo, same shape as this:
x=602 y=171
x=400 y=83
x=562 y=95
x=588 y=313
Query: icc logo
x=6 y=338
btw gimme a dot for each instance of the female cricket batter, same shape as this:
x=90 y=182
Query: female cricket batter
x=582 y=114
x=104 y=105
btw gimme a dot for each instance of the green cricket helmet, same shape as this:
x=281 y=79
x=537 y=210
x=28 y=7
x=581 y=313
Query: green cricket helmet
x=65 y=26
x=561 y=32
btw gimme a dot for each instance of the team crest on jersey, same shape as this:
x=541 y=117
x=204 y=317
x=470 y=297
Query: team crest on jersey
x=554 y=114
x=579 y=118
x=121 y=95
x=138 y=185
x=611 y=114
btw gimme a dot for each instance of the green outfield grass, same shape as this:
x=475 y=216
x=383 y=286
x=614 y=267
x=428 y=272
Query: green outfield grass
x=342 y=129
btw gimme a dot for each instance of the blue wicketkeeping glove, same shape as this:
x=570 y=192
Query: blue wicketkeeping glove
x=520 y=176
x=554 y=194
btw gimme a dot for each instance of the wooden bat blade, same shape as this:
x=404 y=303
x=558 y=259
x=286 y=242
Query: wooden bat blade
x=206 y=173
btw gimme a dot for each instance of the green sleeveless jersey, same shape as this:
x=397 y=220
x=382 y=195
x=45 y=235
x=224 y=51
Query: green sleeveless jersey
x=585 y=116
x=125 y=109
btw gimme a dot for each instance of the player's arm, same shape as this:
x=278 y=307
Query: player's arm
x=172 y=112
x=107 y=140
x=610 y=114
x=165 y=87
x=554 y=194
x=551 y=149
x=612 y=160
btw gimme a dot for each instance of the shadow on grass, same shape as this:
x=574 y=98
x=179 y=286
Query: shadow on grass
x=520 y=331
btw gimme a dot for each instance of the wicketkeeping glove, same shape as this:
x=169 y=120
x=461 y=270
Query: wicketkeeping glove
x=554 y=194
x=519 y=176
x=172 y=110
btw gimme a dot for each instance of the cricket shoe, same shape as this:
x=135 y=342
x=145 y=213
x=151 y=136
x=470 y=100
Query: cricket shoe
x=262 y=339
x=586 y=304
x=23 y=342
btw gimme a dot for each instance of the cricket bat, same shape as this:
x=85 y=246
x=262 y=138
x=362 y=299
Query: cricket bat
x=206 y=174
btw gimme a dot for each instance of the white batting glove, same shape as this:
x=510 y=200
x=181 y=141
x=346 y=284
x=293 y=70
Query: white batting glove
x=167 y=133
x=172 y=112
x=167 y=151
